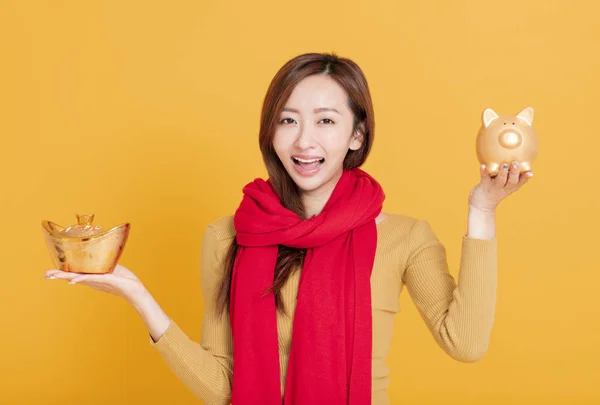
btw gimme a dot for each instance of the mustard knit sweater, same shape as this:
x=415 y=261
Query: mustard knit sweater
x=459 y=315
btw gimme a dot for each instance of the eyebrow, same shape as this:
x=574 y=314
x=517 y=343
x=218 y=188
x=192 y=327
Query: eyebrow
x=317 y=110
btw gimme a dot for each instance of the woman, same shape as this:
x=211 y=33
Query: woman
x=301 y=284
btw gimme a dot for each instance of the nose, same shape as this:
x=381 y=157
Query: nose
x=510 y=139
x=305 y=138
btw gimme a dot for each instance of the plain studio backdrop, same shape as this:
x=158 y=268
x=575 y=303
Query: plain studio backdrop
x=147 y=112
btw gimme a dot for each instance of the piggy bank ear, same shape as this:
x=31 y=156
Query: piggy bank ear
x=489 y=115
x=526 y=115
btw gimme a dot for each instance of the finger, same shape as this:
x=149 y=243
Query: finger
x=502 y=177
x=58 y=274
x=105 y=279
x=513 y=175
x=485 y=176
x=78 y=280
x=50 y=273
x=525 y=178
x=81 y=279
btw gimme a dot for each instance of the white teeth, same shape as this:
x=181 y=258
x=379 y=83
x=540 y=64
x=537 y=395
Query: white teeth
x=307 y=160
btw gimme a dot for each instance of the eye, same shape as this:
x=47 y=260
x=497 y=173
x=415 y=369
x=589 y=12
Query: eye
x=286 y=121
x=505 y=123
x=513 y=123
x=328 y=121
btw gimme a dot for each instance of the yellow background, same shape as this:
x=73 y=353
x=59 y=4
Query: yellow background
x=148 y=112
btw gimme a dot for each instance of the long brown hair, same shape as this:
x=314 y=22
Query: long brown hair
x=348 y=75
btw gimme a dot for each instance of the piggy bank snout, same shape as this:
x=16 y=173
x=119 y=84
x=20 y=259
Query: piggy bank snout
x=510 y=139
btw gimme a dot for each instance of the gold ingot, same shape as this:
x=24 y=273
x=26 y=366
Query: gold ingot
x=85 y=248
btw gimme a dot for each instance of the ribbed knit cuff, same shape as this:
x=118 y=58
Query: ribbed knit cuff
x=173 y=341
x=487 y=248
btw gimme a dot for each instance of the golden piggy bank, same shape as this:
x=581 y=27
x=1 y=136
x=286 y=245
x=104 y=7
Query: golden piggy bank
x=508 y=138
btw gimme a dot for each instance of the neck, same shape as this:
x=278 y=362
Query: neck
x=314 y=201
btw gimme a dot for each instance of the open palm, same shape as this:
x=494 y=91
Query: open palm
x=121 y=282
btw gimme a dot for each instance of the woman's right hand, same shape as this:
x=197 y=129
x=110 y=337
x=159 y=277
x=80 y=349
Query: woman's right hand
x=121 y=282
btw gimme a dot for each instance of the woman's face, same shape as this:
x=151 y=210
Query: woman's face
x=314 y=133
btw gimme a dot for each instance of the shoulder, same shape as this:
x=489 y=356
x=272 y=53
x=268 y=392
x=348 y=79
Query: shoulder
x=216 y=241
x=221 y=229
x=400 y=224
x=406 y=231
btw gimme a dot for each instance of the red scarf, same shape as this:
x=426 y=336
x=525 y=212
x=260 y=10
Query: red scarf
x=331 y=351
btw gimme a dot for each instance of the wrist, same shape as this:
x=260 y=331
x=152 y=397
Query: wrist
x=481 y=223
x=487 y=210
x=153 y=316
x=140 y=299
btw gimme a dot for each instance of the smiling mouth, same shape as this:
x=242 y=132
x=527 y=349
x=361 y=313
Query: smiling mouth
x=308 y=164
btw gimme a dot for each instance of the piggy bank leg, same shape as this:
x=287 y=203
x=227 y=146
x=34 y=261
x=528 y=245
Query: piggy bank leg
x=493 y=168
x=525 y=167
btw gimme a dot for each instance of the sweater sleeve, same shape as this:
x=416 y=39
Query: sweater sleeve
x=206 y=368
x=459 y=315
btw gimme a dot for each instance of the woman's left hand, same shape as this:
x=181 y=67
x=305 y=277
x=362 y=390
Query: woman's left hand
x=491 y=190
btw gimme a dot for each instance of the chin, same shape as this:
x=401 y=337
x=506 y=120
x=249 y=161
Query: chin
x=308 y=185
